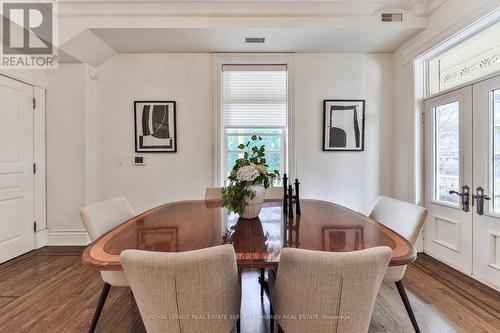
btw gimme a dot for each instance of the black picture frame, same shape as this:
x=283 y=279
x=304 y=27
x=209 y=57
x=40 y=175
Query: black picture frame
x=343 y=104
x=168 y=127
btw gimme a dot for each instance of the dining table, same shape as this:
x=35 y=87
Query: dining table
x=198 y=224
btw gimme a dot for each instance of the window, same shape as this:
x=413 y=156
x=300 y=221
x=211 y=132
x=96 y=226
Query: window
x=254 y=102
x=446 y=150
x=495 y=100
x=469 y=60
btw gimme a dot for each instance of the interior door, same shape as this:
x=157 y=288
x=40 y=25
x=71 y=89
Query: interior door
x=16 y=168
x=486 y=179
x=448 y=158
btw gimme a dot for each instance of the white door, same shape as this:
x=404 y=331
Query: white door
x=16 y=169
x=448 y=156
x=486 y=176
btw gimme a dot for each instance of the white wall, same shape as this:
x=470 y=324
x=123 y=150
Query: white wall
x=65 y=123
x=184 y=78
x=353 y=179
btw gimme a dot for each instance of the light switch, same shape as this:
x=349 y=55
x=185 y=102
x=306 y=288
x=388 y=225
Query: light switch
x=139 y=160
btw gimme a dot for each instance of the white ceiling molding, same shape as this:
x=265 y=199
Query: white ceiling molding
x=87 y=48
x=447 y=21
x=246 y=8
x=425 y=7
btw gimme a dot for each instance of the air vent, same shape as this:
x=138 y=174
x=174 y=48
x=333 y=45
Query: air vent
x=255 y=40
x=392 y=17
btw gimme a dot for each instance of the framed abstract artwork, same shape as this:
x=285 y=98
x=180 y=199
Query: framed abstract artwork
x=155 y=127
x=343 y=125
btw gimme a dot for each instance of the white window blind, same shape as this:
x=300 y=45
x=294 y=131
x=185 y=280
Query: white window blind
x=254 y=96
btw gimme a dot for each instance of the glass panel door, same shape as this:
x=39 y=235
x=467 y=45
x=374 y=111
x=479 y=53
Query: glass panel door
x=495 y=103
x=486 y=179
x=447 y=148
x=448 y=174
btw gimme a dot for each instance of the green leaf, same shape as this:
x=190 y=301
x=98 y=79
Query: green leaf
x=254 y=137
x=241 y=146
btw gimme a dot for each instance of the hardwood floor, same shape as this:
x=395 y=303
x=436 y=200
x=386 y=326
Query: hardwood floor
x=50 y=290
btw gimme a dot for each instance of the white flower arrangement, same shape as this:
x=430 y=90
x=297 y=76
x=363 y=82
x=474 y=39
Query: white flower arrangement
x=247 y=173
x=252 y=169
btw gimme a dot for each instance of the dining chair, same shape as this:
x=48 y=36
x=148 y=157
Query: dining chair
x=322 y=292
x=98 y=219
x=213 y=193
x=195 y=291
x=407 y=220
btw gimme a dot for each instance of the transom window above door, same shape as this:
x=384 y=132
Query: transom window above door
x=471 y=59
x=254 y=102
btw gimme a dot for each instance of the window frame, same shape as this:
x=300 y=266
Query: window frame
x=220 y=137
x=282 y=151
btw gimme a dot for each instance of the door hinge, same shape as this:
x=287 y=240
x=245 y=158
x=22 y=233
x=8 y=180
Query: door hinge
x=423 y=118
x=34 y=103
x=34 y=168
x=423 y=177
x=34 y=226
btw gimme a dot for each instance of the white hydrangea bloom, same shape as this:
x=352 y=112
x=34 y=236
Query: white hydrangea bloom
x=262 y=169
x=247 y=173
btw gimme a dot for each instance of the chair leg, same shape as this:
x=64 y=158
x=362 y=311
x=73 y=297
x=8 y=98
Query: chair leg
x=262 y=272
x=271 y=318
x=238 y=326
x=100 y=305
x=406 y=302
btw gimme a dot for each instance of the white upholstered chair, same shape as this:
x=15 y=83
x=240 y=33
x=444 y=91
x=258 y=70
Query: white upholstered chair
x=98 y=219
x=407 y=220
x=213 y=193
x=325 y=292
x=272 y=193
x=185 y=291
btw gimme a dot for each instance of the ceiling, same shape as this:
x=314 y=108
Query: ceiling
x=358 y=39
x=162 y=26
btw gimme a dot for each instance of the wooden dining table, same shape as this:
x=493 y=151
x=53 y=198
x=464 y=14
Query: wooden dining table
x=191 y=225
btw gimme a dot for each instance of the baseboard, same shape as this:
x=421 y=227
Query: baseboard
x=67 y=238
x=41 y=238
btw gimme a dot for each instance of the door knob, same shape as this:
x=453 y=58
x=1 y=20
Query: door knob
x=480 y=197
x=464 y=196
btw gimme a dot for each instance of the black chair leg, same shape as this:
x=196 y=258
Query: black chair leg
x=100 y=305
x=271 y=318
x=238 y=326
x=262 y=277
x=406 y=302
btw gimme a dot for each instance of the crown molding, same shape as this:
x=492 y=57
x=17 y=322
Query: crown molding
x=240 y=8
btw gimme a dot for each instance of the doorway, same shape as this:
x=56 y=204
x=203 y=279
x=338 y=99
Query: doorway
x=17 y=206
x=462 y=183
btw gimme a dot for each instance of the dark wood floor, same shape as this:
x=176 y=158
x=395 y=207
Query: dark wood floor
x=50 y=290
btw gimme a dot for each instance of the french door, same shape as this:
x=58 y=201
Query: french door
x=462 y=183
x=16 y=169
x=486 y=166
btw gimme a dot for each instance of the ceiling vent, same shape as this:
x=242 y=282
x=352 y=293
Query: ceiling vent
x=392 y=17
x=255 y=40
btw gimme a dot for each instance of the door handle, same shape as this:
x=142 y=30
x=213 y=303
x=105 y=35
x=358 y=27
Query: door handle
x=480 y=197
x=464 y=196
